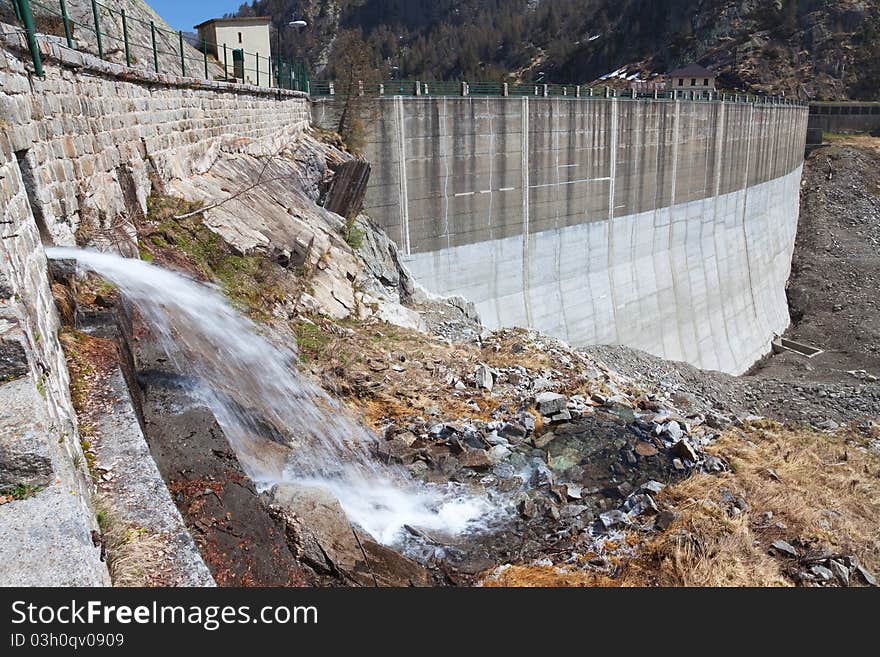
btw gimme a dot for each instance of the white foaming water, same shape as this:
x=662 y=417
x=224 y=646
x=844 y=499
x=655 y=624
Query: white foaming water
x=282 y=426
x=382 y=507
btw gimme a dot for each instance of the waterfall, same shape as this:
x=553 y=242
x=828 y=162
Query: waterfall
x=264 y=405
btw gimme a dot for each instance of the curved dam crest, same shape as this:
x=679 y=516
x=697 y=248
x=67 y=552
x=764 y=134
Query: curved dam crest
x=662 y=225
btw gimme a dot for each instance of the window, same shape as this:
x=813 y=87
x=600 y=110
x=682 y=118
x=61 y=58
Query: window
x=706 y=82
x=693 y=82
x=239 y=37
x=680 y=82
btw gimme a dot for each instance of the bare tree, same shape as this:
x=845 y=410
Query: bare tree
x=357 y=78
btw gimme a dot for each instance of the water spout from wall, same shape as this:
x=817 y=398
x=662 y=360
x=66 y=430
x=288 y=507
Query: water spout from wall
x=282 y=426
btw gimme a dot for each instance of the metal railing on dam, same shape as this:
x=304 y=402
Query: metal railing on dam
x=666 y=225
x=447 y=88
x=107 y=30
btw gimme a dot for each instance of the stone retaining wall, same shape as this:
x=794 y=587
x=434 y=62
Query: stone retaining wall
x=83 y=147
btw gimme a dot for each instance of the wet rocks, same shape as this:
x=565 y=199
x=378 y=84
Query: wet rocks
x=476 y=459
x=320 y=534
x=317 y=527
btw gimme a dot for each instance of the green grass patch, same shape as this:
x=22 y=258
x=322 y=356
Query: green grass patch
x=251 y=281
x=312 y=340
x=20 y=491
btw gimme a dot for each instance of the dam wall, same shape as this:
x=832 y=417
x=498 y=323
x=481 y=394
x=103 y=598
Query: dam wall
x=847 y=117
x=665 y=225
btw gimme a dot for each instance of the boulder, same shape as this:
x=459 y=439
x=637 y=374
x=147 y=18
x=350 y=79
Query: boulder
x=317 y=527
x=483 y=377
x=550 y=403
x=684 y=450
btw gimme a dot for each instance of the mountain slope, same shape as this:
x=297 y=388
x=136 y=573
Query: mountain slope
x=811 y=48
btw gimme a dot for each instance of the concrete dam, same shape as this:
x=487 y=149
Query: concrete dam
x=664 y=225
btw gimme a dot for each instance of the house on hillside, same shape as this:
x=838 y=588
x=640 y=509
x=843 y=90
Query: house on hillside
x=692 y=77
x=247 y=53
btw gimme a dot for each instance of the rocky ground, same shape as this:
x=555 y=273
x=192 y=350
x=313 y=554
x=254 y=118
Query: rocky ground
x=585 y=441
x=605 y=465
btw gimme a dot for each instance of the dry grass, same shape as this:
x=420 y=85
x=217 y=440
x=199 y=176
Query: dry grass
x=546 y=576
x=863 y=141
x=824 y=490
x=134 y=556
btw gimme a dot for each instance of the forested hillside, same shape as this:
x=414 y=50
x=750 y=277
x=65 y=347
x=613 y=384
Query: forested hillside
x=812 y=48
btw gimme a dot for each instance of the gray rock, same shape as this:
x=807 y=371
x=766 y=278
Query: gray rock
x=562 y=416
x=613 y=518
x=684 y=450
x=494 y=439
x=550 y=403
x=784 y=548
x=318 y=526
x=24 y=442
x=6 y=291
x=483 y=377
x=513 y=430
x=673 y=430
x=13 y=360
x=527 y=420
x=653 y=487
x=572 y=510
x=644 y=505
x=499 y=453
x=840 y=571
x=822 y=573
x=574 y=491
x=866 y=576
x=714 y=464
